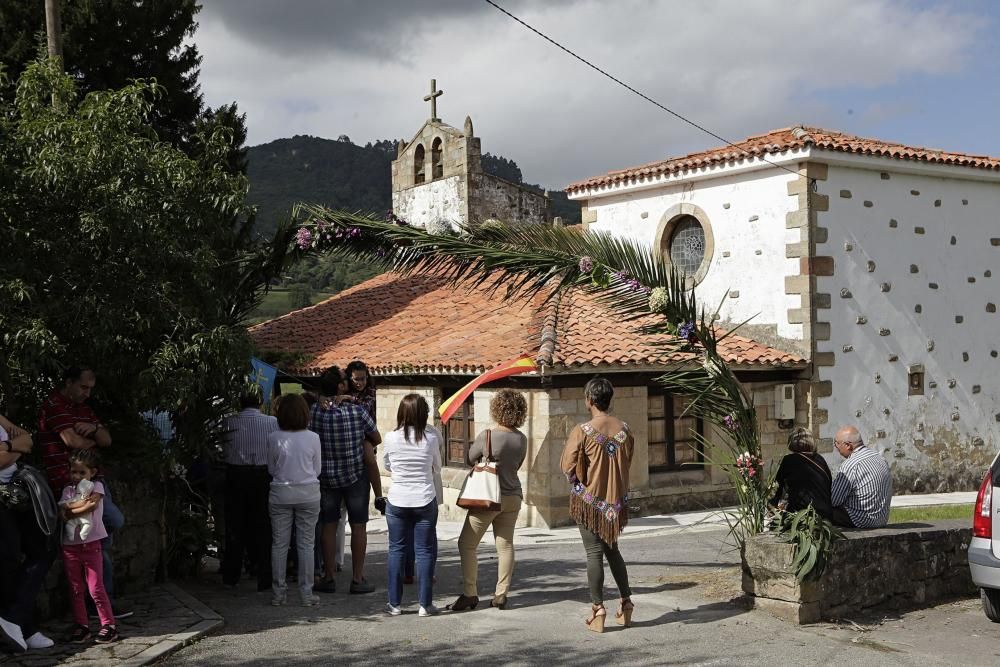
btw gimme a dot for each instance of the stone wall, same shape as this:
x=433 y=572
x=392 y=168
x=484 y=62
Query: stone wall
x=899 y=567
x=493 y=198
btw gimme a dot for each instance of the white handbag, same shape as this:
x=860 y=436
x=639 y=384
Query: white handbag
x=481 y=491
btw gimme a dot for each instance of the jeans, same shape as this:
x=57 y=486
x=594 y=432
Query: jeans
x=114 y=521
x=84 y=571
x=597 y=550
x=283 y=514
x=20 y=580
x=412 y=527
x=248 y=524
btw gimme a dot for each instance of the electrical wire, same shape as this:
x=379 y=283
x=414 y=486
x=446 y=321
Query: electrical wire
x=633 y=90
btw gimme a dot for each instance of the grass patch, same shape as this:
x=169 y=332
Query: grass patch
x=931 y=513
x=282 y=300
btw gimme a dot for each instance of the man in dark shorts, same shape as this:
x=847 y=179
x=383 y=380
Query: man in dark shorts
x=348 y=436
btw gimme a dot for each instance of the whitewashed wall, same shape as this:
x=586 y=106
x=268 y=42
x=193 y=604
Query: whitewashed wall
x=431 y=202
x=904 y=243
x=747 y=214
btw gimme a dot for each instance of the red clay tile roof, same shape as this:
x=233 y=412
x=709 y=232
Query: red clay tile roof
x=782 y=140
x=422 y=325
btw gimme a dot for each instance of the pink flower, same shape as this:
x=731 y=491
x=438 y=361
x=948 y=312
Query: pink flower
x=303 y=238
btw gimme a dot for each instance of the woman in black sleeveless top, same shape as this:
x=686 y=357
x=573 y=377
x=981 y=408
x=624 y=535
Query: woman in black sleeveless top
x=803 y=476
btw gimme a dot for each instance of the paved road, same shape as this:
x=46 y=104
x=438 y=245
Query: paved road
x=684 y=581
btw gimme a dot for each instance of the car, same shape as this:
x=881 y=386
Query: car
x=984 y=548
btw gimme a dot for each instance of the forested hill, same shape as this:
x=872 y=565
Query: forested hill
x=336 y=173
x=341 y=174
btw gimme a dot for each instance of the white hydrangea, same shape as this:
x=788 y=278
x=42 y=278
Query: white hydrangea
x=658 y=300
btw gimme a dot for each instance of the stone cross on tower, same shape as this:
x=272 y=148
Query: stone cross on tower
x=432 y=98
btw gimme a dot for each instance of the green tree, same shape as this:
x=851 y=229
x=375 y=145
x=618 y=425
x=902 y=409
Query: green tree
x=301 y=296
x=109 y=43
x=123 y=252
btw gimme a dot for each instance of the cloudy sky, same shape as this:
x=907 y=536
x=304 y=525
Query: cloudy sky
x=919 y=72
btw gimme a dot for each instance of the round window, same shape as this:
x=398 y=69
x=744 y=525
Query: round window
x=687 y=246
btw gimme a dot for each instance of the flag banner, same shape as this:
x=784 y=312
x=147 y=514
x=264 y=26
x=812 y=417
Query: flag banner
x=522 y=364
x=263 y=376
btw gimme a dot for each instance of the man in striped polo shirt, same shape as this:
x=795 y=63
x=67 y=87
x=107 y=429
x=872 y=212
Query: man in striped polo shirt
x=66 y=422
x=862 y=490
x=248 y=524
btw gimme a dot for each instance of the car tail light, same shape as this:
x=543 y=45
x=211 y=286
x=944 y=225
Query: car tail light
x=982 y=521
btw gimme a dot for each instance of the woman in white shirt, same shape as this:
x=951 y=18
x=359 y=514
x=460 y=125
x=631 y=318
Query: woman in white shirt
x=294 y=461
x=412 y=455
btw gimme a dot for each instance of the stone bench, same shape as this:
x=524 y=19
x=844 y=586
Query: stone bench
x=902 y=566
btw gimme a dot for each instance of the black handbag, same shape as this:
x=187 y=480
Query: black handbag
x=14 y=495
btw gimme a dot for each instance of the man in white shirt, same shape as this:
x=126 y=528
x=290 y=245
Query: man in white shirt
x=248 y=483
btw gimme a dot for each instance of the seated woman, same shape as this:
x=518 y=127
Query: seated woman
x=804 y=477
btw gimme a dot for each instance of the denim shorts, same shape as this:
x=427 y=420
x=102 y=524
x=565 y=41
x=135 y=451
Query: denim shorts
x=355 y=496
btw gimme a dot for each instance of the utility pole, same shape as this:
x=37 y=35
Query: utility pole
x=53 y=29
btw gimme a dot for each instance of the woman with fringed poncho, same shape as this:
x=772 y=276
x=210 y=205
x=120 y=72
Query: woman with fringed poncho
x=596 y=461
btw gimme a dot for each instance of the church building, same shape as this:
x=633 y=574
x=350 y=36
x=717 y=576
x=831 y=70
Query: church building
x=421 y=334
x=438 y=179
x=872 y=260
x=865 y=268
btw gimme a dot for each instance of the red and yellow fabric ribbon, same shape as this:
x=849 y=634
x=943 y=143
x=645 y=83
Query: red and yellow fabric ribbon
x=521 y=364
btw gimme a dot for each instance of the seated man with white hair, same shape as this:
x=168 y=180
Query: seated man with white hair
x=862 y=490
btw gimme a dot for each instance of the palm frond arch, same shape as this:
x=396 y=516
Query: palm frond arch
x=627 y=276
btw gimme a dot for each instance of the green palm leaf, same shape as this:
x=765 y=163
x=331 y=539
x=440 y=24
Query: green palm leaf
x=528 y=261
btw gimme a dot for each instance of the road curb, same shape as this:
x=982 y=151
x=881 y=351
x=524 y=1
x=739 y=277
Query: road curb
x=210 y=621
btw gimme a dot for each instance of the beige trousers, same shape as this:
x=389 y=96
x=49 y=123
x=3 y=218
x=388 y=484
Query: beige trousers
x=475 y=527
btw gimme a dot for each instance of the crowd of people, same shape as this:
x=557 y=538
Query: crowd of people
x=294 y=478
x=319 y=452
x=34 y=527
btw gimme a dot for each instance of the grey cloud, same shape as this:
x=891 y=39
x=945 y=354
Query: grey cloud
x=719 y=63
x=387 y=29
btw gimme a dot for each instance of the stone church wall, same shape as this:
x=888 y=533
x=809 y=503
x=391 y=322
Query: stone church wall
x=496 y=199
x=431 y=203
x=914 y=298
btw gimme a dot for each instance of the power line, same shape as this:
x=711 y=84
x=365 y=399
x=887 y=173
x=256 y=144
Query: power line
x=630 y=88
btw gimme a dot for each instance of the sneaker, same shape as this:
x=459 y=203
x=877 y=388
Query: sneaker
x=327 y=586
x=81 y=635
x=310 y=600
x=393 y=611
x=278 y=599
x=11 y=636
x=39 y=641
x=107 y=634
x=427 y=611
x=361 y=587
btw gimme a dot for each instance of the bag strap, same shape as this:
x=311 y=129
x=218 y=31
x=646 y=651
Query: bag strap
x=826 y=473
x=489 y=445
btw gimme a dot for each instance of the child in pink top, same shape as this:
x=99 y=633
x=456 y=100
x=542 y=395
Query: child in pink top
x=82 y=555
